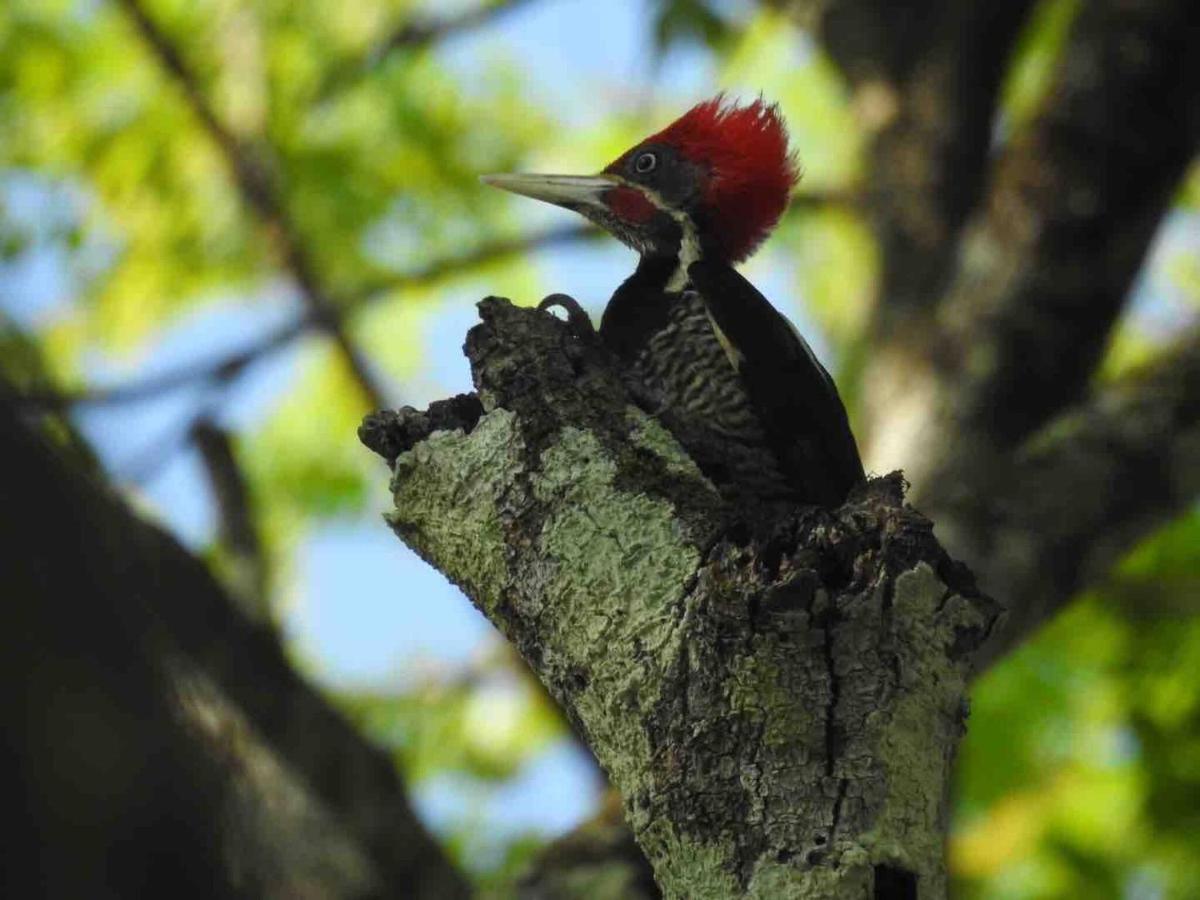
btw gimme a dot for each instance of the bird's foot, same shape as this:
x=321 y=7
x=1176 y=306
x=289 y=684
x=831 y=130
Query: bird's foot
x=577 y=319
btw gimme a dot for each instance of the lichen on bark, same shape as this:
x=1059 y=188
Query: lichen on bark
x=777 y=695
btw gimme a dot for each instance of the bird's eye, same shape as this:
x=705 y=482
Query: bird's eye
x=646 y=162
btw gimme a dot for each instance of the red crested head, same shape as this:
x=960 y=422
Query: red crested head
x=715 y=181
x=743 y=171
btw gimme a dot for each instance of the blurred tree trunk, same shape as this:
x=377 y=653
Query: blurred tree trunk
x=1009 y=252
x=160 y=744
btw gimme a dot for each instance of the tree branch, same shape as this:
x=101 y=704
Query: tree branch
x=490 y=251
x=226 y=368
x=1073 y=209
x=413 y=34
x=262 y=194
x=221 y=370
x=926 y=79
x=778 y=712
x=804 y=202
x=237 y=530
x=166 y=746
x=1053 y=519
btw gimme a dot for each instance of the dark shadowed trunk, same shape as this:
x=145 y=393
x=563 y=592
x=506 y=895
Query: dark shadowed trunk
x=161 y=744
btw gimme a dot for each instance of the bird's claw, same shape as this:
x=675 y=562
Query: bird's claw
x=577 y=319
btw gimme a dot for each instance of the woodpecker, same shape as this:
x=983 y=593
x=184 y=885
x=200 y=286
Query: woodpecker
x=725 y=372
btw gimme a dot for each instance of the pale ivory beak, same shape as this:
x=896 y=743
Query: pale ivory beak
x=570 y=191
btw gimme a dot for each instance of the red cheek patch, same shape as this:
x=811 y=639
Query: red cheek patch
x=630 y=205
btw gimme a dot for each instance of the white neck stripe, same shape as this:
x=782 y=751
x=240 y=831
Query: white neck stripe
x=689 y=241
x=689 y=252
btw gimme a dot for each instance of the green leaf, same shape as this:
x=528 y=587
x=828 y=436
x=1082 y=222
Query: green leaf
x=1035 y=60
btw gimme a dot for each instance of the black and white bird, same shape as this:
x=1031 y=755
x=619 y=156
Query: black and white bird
x=724 y=371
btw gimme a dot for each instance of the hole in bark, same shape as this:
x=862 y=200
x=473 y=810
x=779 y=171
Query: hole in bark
x=894 y=884
x=819 y=840
x=577 y=678
x=738 y=534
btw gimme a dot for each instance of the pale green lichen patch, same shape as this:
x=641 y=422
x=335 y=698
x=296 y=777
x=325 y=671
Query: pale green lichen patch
x=622 y=549
x=693 y=870
x=688 y=869
x=850 y=879
x=617 y=572
x=451 y=470
x=649 y=434
x=760 y=682
x=767 y=691
x=916 y=742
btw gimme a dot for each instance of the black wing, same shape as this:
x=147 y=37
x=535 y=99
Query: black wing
x=795 y=397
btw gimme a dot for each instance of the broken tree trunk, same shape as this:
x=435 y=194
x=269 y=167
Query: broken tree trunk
x=778 y=702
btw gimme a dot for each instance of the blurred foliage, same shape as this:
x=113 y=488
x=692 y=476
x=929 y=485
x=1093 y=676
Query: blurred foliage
x=466 y=732
x=23 y=368
x=1168 y=295
x=1189 y=195
x=689 y=21
x=21 y=362
x=1081 y=773
x=480 y=724
x=1035 y=60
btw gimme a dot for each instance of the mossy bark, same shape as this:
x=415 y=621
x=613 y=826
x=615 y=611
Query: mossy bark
x=777 y=695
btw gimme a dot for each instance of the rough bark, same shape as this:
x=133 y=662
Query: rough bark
x=160 y=743
x=778 y=703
